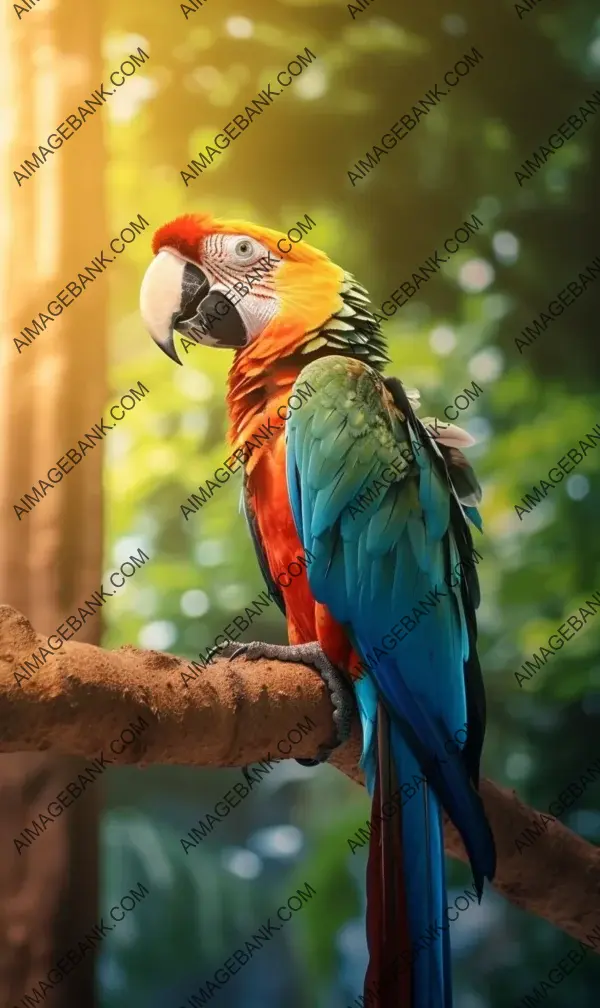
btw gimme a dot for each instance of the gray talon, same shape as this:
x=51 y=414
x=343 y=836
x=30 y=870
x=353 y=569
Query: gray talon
x=228 y=650
x=240 y=649
x=340 y=691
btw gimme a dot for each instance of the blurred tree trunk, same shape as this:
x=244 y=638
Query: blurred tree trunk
x=50 y=394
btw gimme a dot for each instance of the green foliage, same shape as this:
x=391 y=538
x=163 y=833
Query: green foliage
x=329 y=866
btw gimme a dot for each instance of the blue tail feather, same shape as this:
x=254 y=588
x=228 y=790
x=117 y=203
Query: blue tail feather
x=425 y=880
x=420 y=808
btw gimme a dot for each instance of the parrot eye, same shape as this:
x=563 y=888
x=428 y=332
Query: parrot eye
x=244 y=249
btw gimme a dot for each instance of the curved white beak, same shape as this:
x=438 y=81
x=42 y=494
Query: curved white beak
x=160 y=299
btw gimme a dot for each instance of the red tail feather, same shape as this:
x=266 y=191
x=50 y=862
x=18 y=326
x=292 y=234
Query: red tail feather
x=388 y=979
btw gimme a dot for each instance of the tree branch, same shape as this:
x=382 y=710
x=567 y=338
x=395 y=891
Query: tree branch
x=235 y=713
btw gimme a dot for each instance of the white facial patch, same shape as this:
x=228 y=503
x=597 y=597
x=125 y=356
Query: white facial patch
x=256 y=312
x=255 y=303
x=241 y=267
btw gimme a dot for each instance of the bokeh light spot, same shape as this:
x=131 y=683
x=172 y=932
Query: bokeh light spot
x=242 y=862
x=506 y=247
x=442 y=340
x=476 y=275
x=278 y=841
x=454 y=24
x=158 y=636
x=194 y=603
x=578 y=487
x=487 y=365
x=239 y=27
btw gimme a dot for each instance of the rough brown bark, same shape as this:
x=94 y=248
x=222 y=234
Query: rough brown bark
x=235 y=713
x=53 y=223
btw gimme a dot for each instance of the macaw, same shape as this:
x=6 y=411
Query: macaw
x=306 y=320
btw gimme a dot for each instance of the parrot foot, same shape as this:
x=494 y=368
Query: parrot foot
x=340 y=691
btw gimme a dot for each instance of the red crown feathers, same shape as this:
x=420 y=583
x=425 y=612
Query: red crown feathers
x=183 y=234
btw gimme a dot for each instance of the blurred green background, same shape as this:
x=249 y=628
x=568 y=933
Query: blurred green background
x=461 y=160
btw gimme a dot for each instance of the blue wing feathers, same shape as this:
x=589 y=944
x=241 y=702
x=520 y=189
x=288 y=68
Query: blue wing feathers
x=387 y=565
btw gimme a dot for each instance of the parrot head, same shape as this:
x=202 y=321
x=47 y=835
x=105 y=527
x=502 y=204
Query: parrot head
x=229 y=284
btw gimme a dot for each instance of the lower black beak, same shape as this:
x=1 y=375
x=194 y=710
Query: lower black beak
x=176 y=296
x=168 y=346
x=194 y=287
